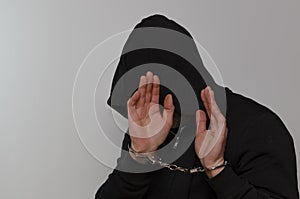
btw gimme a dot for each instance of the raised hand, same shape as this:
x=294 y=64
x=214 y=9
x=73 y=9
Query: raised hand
x=148 y=128
x=210 y=143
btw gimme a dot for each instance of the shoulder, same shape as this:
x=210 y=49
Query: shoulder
x=247 y=114
x=240 y=105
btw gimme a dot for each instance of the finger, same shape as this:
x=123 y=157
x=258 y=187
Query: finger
x=131 y=103
x=225 y=138
x=215 y=111
x=199 y=141
x=142 y=91
x=149 y=77
x=155 y=90
x=200 y=137
x=168 y=102
x=168 y=109
x=208 y=101
x=205 y=101
x=134 y=99
x=200 y=121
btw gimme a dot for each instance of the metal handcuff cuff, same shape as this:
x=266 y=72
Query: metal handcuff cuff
x=152 y=158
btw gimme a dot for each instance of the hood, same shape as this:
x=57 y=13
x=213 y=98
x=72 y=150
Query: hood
x=168 y=50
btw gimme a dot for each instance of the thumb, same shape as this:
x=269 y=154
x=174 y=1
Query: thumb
x=201 y=132
x=168 y=109
x=200 y=121
x=168 y=102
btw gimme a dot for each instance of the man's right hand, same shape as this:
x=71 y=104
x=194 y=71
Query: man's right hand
x=148 y=128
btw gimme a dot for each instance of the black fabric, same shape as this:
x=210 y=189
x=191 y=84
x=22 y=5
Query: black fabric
x=259 y=147
x=195 y=73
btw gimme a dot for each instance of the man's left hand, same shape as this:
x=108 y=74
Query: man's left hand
x=210 y=143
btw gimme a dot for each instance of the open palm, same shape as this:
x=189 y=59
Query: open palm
x=148 y=128
x=210 y=143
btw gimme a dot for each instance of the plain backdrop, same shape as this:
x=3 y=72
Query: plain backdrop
x=255 y=45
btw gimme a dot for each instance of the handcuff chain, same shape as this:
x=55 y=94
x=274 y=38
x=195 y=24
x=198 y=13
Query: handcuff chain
x=153 y=159
x=174 y=167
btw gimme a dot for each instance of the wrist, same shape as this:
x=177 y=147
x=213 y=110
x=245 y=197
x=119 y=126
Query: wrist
x=212 y=173
x=143 y=149
x=140 y=157
x=217 y=168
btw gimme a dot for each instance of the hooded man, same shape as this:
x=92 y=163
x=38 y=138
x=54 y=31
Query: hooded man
x=205 y=141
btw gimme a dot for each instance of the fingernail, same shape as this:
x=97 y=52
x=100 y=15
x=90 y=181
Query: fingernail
x=171 y=98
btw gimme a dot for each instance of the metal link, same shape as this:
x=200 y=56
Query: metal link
x=198 y=169
x=154 y=159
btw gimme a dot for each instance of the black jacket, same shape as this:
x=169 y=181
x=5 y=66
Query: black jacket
x=259 y=148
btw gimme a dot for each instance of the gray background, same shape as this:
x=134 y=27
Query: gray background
x=42 y=44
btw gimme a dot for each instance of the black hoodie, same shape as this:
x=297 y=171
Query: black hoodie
x=259 y=146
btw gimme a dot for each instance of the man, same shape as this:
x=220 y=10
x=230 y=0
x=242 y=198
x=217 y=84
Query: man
x=230 y=148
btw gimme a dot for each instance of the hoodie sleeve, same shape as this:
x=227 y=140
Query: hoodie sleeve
x=267 y=164
x=121 y=184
